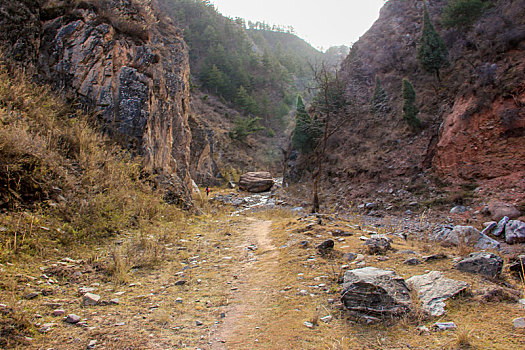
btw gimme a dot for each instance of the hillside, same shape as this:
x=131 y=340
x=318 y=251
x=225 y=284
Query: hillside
x=472 y=120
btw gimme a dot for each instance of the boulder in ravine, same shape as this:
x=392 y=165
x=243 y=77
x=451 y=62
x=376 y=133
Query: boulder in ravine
x=464 y=235
x=482 y=263
x=375 y=292
x=500 y=209
x=377 y=245
x=515 y=232
x=255 y=182
x=433 y=289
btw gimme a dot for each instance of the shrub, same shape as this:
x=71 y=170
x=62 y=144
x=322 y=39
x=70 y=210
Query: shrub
x=463 y=13
x=242 y=127
x=410 y=110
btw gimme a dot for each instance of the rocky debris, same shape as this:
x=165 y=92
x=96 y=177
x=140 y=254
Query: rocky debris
x=308 y=324
x=497 y=295
x=412 y=261
x=349 y=256
x=198 y=323
x=327 y=319
x=459 y=209
x=517 y=266
x=519 y=322
x=59 y=312
x=375 y=292
x=326 y=246
x=500 y=227
x=500 y=209
x=515 y=232
x=433 y=257
x=377 y=246
x=46 y=327
x=433 y=289
x=256 y=182
x=489 y=227
x=341 y=233
x=84 y=290
x=464 y=235
x=72 y=318
x=90 y=299
x=486 y=264
x=31 y=295
x=444 y=326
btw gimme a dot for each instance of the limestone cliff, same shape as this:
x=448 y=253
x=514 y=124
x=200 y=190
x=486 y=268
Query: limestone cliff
x=121 y=58
x=473 y=121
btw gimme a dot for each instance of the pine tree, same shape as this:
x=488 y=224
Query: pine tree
x=462 y=13
x=379 y=99
x=432 y=52
x=306 y=130
x=410 y=110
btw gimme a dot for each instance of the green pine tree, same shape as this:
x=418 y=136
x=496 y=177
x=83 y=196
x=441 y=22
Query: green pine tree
x=432 y=52
x=307 y=130
x=379 y=99
x=462 y=13
x=410 y=110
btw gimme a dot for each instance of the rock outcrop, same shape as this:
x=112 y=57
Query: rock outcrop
x=260 y=181
x=375 y=292
x=120 y=58
x=433 y=289
x=486 y=264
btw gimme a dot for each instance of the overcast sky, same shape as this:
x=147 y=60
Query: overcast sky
x=323 y=23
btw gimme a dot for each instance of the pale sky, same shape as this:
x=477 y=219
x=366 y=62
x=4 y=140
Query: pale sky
x=323 y=23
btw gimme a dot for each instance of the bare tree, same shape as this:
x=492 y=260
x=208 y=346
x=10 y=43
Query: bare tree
x=331 y=111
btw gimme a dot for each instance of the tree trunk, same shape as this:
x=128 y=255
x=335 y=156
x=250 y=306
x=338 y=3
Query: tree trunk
x=315 y=202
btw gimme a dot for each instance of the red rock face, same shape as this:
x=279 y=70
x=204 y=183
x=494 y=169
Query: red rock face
x=484 y=145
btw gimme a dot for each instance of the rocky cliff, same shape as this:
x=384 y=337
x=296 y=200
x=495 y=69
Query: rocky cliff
x=121 y=58
x=473 y=120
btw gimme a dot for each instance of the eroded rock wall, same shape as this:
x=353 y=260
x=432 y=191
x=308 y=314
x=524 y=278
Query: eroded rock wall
x=122 y=59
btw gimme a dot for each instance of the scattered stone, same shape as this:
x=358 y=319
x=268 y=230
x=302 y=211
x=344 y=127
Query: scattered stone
x=72 y=318
x=444 y=326
x=377 y=246
x=519 y=322
x=114 y=301
x=497 y=295
x=90 y=299
x=433 y=289
x=499 y=209
x=517 y=266
x=515 y=232
x=375 y=292
x=340 y=233
x=256 y=181
x=407 y=252
x=92 y=344
x=326 y=245
x=412 y=261
x=180 y=283
x=327 y=319
x=370 y=205
x=46 y=327
x=304 y=244
x=308 y=324
x=198 y=323
x=499 y=230
x=489 y=227
x=349 y=256
x=120 y=324
x=31 y=295
x=458 y=209
x=439 y=256
x=423 y=329
x=482 y=263
x=464 y=235
x=58 y=312
x=84 y=290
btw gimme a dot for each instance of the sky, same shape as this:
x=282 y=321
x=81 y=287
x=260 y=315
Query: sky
x=323 y=23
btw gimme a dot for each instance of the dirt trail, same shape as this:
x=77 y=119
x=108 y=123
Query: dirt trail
x=240 y=327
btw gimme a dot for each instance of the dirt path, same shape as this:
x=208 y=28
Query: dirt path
x=240 y=327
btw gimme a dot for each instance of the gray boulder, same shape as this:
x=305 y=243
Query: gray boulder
x=377 y=245
x=500 y=227
x=255 y=182
x=499 y=209
x=464 y=235
x=375 y=292
x=515 y=232
x=486 y=264
x=433 y=289
x=489 y=228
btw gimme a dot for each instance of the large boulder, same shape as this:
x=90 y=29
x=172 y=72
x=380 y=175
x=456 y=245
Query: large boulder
x=259 y=181
x=433 y=289
x=515 y=232
x=375 y=292
x=378 y=245
x=499 y=209
x=464 y=235
x=486 y=264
